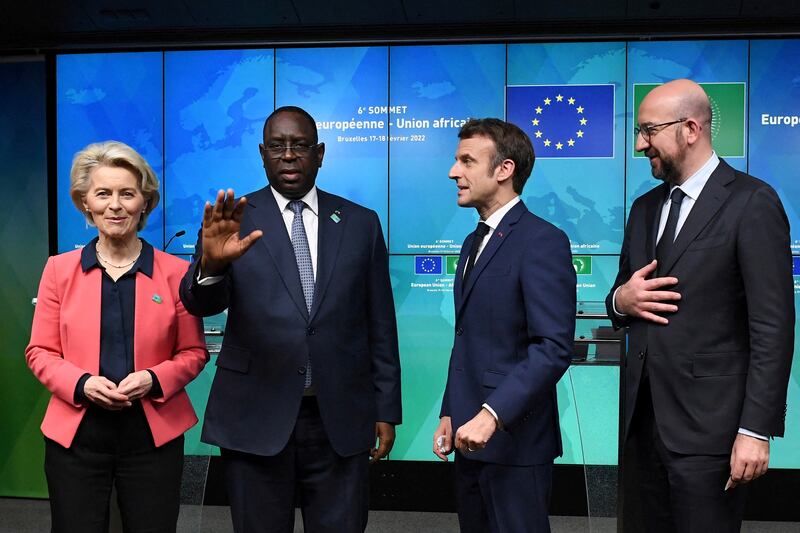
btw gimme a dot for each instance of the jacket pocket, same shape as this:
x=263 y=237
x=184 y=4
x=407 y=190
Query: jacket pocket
x=704 y=243
x=720 y=364
x=233 y=358
x=493 y=272
x=492 y=379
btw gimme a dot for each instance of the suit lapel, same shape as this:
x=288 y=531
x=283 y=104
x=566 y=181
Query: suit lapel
x=265 y=215
x=88 y=331
x=711 y=198
x=497 y=239
x=148 y=304
x=462 y=263
x=329 y=238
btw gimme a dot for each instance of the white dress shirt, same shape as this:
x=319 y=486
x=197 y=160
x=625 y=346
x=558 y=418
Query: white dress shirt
x=493 y=221
x=692 y=187
x=310 y=219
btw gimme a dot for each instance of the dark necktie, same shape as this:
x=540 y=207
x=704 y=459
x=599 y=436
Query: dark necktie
x=477 y=239
x=302 y=254
x=668 y=237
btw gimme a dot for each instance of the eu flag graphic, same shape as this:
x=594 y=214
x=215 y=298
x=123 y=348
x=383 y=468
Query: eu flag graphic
x=428 y=264
x=795 y=265
x=564 y=120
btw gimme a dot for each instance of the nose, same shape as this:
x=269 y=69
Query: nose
x=454 y=172
x=288 y=153
x=115 y=203
x=641 y=143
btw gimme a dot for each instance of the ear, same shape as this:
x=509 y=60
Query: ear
x=505 y=171
x=693 y=131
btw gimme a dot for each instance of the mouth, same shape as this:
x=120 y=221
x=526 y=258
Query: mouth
x=116 y=220
x=290 y=175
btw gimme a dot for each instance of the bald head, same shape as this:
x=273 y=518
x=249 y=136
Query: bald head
x=675 y=120
x=684 y=99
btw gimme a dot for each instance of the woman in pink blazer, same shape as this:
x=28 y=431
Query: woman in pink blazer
x=114 y=345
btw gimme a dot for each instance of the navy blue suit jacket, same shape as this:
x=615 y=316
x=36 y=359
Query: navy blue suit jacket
x=351 y=333
x=514 y=333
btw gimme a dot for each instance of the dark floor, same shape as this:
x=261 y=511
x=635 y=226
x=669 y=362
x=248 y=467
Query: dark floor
x=29 y=516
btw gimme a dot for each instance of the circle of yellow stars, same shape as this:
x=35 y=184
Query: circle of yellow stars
x=583 y=121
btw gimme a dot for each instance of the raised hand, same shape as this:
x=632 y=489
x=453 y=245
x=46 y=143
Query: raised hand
x=643 y=298
x=221 y=225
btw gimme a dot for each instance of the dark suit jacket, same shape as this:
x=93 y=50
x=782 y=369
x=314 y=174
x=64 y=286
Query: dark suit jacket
x=515 y=327
x=723 y=360
x=351 y=334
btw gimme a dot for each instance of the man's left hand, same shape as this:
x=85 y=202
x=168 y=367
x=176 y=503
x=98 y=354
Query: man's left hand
x=474 y=435
x=384 y=434
x=749 y=459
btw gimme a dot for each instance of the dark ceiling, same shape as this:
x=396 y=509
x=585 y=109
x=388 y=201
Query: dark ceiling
x=33 y=26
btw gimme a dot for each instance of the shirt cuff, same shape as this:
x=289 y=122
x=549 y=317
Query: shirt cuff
x=208 y=280
x=753 y=434
x=614 y=303
x=496 y=418
x=79 y=395
x=155 y=389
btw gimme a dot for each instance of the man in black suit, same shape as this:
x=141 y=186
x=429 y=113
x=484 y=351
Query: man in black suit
x=308 y=375
x=705 y=286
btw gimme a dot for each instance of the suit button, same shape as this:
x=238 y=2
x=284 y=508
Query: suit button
x=459 y=331
x=640 y=355
x=301 y=370
x=310 y=331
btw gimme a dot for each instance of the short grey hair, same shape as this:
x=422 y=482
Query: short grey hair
x=116 y=155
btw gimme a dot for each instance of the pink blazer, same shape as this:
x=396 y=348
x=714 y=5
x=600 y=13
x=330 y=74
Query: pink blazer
x=65 y=343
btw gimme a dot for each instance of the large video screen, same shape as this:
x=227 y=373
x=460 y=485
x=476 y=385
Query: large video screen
x=389 y=117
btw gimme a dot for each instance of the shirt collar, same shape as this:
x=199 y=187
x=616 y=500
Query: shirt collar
x=494 y=219
x=143 y=264
x=311 y=200
x=694 y=184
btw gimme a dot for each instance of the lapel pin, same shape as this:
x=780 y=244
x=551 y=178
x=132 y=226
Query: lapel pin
x=500 y=234
x=157 y=298
x=336 y=216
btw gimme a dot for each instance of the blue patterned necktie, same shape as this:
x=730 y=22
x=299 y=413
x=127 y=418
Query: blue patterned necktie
x=302 y=254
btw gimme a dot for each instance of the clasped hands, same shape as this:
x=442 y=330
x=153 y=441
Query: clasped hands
x=221 y=224
x=105 y=393
x=643 y=298
x=471 y=437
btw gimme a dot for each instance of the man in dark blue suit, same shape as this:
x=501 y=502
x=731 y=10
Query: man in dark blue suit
x=308 y=375
x=515 y=324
